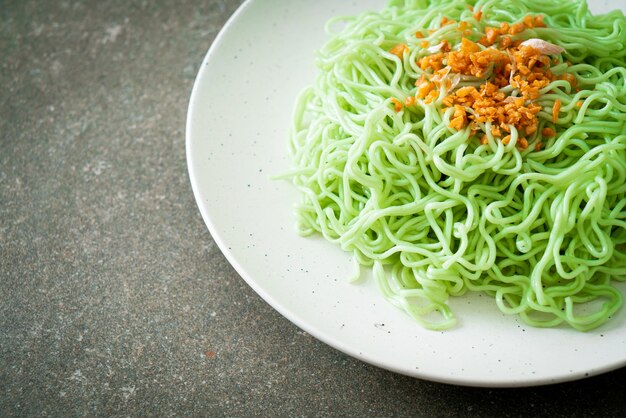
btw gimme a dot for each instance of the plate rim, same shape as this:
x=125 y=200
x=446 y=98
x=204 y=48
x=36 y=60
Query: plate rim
x=204 y=208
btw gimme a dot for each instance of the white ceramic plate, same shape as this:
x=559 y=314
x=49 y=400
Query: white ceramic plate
x=237 y=130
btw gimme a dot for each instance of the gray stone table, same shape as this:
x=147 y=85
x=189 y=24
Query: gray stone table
x=114 y=299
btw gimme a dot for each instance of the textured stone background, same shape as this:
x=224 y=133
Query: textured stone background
x=114 y=300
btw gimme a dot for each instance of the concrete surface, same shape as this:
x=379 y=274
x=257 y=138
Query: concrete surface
x=114 y=300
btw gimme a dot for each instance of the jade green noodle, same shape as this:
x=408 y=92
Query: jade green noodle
x=436 y=213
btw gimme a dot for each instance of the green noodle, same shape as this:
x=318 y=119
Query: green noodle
x=437 y=214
